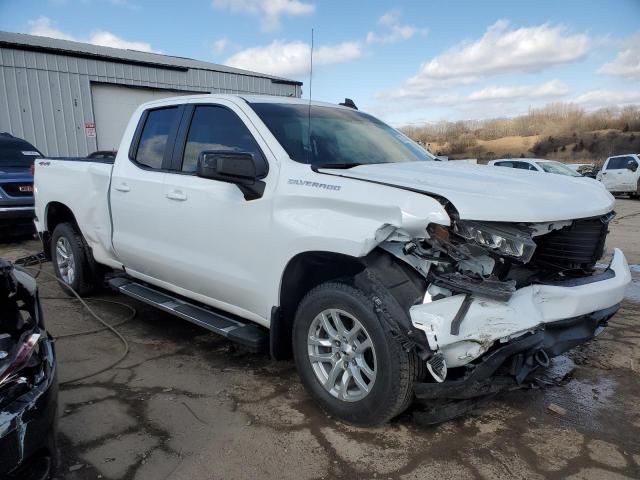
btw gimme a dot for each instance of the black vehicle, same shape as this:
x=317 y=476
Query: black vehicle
x=28 y=381
x=16 y=183
x=103 y=154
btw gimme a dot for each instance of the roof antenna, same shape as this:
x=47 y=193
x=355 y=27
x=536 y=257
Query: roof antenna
x=309 y=150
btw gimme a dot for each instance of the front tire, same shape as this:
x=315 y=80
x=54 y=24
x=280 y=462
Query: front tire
x=70 y=260
x=346 y=358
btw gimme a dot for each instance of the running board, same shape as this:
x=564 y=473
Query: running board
x=247 y=334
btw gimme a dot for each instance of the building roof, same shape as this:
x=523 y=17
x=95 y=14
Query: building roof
x=23 y=41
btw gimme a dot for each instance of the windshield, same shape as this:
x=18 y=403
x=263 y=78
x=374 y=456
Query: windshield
x=338 y=136
x=559 y=168
x=15 y=152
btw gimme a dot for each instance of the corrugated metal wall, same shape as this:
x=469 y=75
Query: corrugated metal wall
x=46 y=98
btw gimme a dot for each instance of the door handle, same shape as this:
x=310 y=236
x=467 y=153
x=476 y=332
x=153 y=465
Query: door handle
x=176 y=195
x=123 y=187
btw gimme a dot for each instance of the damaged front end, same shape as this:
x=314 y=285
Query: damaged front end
x=502 y=299
x=28 y=385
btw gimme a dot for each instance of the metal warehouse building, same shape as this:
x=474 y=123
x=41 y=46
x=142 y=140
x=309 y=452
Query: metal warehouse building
x=71 y=99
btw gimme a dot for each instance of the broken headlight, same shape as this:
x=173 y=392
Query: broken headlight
x=500 y=238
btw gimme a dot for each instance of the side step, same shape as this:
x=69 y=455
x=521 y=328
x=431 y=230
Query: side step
x=247 y=333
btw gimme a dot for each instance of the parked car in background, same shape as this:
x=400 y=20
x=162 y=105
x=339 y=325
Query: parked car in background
x=103 y=154
x=620 y=174
x=28 y=381
x=536 y=165
x=16 y=183
x=584 y=169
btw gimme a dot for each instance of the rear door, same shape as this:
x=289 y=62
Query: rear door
x=137 y=193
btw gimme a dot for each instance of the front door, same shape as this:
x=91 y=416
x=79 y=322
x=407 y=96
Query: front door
x=215 y=232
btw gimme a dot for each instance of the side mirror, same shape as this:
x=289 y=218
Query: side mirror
x=632 y=165
x=240 y=168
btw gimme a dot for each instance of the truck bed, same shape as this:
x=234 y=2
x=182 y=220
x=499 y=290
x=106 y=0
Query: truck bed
x=84 y=183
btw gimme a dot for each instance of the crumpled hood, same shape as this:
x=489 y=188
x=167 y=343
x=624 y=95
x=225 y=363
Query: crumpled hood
x=481 y=192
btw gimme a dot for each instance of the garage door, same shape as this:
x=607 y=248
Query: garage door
x=113 y=106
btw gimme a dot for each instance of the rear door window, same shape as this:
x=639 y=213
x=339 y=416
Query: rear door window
x=158 y=127
x=216 y=128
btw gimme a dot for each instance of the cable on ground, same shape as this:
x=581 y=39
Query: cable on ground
x=84 y=303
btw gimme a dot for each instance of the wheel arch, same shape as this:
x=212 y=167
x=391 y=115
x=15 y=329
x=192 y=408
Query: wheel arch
x=403 y=286
x=302 y=273
x=55 y=214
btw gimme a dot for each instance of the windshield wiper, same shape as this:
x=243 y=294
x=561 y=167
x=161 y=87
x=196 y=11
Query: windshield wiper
x=343 y=166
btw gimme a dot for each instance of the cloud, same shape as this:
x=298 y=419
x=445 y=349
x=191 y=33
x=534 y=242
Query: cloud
x=292 y=58
x=44 y=27
x=608 y=98
x=627 y=61
x=108 y=39
x=269 y=11
x=220 y=45
x=503 y=94
x=500 y=50
x=394 y=30
x=553 y=88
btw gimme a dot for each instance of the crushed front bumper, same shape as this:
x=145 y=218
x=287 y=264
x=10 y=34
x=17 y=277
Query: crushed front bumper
x=520 y=357
x=533 y=310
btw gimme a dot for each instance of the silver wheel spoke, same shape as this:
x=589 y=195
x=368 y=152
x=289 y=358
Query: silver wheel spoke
x=342 y=330
x=321 y=342
x=357 y=378
x=326 y=324
x=60 y=251
x=333 y=376
x=322 y=357
x=362 y=346
x=344 y=384
x=362 y=365
x=65 y=261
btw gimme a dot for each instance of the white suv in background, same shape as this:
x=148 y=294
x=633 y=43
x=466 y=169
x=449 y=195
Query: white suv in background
x=620 y=174
x=536 y=165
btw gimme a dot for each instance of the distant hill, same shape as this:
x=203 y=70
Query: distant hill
x=562 y=132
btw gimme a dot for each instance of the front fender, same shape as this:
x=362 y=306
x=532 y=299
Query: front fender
x=350 y=219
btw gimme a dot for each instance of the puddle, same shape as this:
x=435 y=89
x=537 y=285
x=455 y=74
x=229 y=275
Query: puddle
x=585 y=400
x=633 y=290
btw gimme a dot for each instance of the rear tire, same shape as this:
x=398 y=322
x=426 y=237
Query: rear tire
x=338 y=324
x=70 y=259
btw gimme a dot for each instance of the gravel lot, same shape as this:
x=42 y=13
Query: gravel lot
x=186 y=404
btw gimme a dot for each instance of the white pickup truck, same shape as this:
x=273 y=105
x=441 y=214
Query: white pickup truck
x=320 y=232
x=620 y=174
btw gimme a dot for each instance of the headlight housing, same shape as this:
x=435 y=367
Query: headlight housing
x=500 y=238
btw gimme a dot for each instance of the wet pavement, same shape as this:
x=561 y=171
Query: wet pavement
x=187 y=404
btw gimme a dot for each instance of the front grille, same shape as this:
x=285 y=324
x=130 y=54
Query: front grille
x=18 y=189
x=577 y=246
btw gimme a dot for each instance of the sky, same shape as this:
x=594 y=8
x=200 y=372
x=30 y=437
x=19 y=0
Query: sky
x=408 y=62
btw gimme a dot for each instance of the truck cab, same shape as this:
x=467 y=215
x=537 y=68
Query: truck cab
x=620 y=174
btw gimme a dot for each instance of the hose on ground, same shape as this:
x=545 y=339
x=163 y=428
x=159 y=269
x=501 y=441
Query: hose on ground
x=84 y=303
